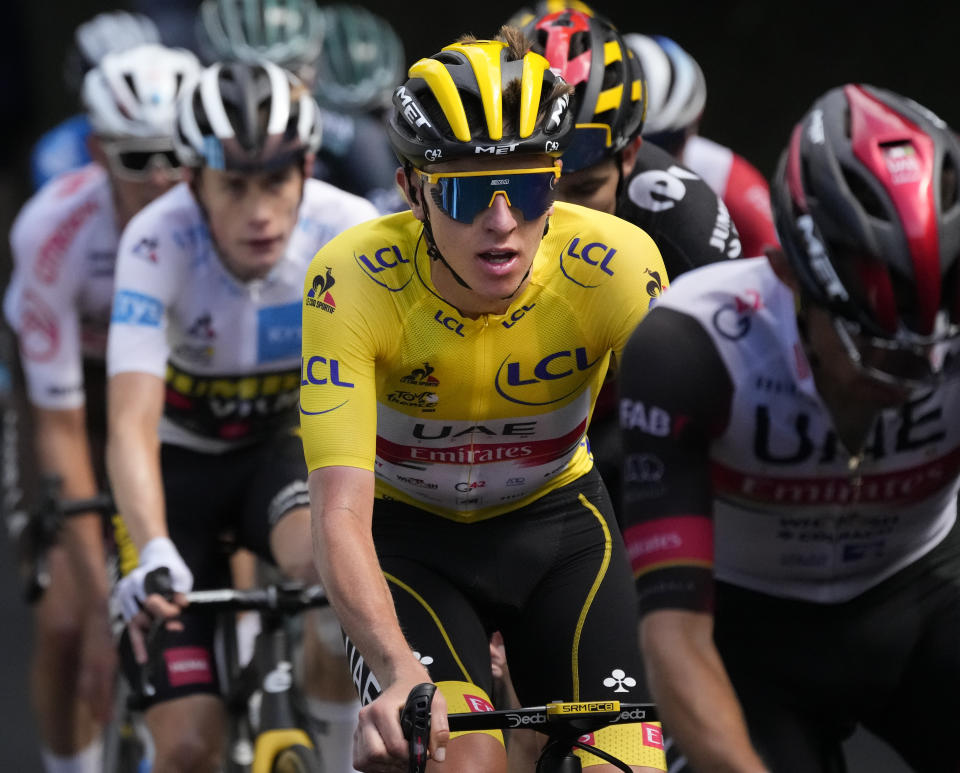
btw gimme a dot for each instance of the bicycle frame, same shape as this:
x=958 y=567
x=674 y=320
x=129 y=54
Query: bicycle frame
x=253 y=746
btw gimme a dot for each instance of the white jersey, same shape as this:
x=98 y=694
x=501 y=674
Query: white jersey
x=228 y=350
x=794 y=513
x=64 y=244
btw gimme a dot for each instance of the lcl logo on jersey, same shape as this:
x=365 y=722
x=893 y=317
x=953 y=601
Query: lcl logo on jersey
x=322 y=284
x=449 y=322
x=521 y=383
x=591 y=253
x=320 y=371
x=385 y=266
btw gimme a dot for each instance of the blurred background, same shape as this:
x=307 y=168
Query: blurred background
x=764 y=64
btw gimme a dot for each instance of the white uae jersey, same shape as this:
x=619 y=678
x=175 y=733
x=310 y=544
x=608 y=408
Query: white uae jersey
x=64 y=244
x=794 y=513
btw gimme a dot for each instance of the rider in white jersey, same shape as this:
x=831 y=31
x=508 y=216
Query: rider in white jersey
x=228 y=349
x=64 y=244
x=792 y=467
x=678 y=94
x=203 y=362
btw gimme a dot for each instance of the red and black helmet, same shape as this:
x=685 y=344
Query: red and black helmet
x=610 y=94
x=865 y=200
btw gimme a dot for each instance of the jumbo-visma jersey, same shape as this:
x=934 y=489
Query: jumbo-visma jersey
x=466 y=418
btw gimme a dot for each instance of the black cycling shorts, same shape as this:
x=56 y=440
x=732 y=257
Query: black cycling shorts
x=239 y=495
x=889 y=659
x=552 y=577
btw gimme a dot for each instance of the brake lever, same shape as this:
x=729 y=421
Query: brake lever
x=160 y=582
x=415 y=723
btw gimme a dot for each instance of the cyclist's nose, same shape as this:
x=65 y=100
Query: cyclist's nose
x=499 y=216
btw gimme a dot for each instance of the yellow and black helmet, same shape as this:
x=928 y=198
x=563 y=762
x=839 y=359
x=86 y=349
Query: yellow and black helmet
x=453 y=106
x=526 y=15
x=610 y=99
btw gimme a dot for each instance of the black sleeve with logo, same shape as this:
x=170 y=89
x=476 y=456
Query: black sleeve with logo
x=675 y=396
x=682 y=214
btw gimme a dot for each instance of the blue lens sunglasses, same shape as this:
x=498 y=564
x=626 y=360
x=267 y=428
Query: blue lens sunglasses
x=464 y=195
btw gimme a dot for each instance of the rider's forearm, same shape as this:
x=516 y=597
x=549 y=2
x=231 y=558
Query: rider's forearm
x=694 y=696
x=352 y=577
x=63 y=450
x=133 y=457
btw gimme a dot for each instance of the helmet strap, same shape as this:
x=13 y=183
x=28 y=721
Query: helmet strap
x=618 y=162
x=432 y=250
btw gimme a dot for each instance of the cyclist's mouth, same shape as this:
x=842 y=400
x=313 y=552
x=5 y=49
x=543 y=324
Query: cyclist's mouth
x=500 y=261
x=263 y=245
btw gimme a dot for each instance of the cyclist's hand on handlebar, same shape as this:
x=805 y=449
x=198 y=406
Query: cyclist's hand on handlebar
x=161 y=565
x=379 y=744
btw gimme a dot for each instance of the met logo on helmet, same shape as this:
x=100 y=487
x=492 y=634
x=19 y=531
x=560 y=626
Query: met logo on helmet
x=497 y=150
x=410 y=109
x=820 y=262
x=557 y=113
x=815 y=130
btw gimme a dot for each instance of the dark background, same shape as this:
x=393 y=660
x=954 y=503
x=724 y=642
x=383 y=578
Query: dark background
x=764 y=62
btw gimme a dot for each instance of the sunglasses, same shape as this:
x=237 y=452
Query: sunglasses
x=464 y=195
x=136 y=161
x=591 y=145
x=906 y=361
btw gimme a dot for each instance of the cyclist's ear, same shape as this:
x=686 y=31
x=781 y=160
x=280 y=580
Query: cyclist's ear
x=406 y=184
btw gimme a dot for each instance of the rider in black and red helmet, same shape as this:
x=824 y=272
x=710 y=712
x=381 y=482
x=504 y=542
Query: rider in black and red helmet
x=885 y=263
x=791 y=449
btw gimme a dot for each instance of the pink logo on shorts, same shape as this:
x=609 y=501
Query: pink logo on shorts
x=188 y=665
x=476 y=703
x=652 y=736
x=588 y=740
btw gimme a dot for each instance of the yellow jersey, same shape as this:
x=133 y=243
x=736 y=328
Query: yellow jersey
x=466 y=418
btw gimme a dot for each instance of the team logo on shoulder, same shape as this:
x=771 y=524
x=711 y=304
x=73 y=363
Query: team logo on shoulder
x=654 y=286
x=421 y=376
x=322 y=283
x=146 y=249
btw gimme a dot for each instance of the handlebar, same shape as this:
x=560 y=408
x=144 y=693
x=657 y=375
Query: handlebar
x=290 y=597
x=285 y=597
x=562 y=722
x=39 y=529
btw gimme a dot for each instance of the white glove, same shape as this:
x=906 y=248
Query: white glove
x=158 y=553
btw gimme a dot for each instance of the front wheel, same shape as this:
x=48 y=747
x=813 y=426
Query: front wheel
x=297 y=759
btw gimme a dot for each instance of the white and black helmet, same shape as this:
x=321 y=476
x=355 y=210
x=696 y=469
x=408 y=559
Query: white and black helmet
x=103 y=34
x=286 y=32
x=246 y=117
x=134 y=93
x=676 y=88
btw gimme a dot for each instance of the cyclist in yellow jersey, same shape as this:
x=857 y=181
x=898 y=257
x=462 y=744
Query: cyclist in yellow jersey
x=451 y=359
